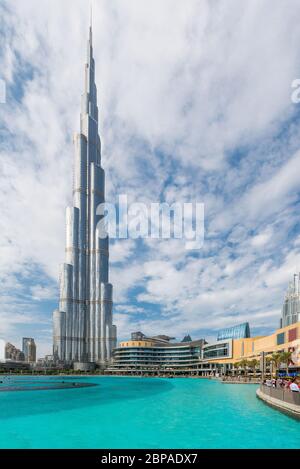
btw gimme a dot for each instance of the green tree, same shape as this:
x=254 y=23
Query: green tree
x=253 y=364
x=244 y=365
x=275 y=359
x=286 y=358
x=236 y=366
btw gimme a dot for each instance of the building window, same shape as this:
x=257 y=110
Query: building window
x=280 y=338
x=214 y=351
x=292 y=334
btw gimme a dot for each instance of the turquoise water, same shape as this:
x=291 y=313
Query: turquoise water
x=143 y=413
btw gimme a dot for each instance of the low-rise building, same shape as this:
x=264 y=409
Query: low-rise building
x=159 y=355
x=156 y=355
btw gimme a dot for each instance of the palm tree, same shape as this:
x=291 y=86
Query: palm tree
x=286 y=358
x=253 y=364
x=244 y=364
x=236 y=366
x=276 y=360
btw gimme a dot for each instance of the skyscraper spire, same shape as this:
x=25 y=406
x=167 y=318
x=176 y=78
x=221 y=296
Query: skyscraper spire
x=91 y=24
x=83 y=329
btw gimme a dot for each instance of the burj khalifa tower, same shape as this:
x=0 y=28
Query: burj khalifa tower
x=82 y=326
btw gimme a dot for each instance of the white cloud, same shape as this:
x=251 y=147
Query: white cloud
x=262 y=239
x=41 y=292
x=121 y=250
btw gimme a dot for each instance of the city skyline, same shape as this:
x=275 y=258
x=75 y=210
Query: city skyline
x=173 y=124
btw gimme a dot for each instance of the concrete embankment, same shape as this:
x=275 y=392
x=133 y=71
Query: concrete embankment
x=283 y=400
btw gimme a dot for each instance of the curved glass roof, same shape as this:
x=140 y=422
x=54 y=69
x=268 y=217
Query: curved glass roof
x=242 y=331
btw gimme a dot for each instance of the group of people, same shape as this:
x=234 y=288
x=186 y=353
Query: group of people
x=292 y=385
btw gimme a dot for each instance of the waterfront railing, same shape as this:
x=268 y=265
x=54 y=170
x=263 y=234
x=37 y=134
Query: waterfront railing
x=283 y=394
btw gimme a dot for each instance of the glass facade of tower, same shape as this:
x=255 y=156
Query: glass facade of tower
x=29 y=349
x=291 y=305
x=82 y=325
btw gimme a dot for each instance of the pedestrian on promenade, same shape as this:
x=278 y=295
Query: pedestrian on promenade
x=294 y=386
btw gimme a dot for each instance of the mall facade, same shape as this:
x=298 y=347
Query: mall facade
x=161 y=356
x=223 y=354
x=156 y=355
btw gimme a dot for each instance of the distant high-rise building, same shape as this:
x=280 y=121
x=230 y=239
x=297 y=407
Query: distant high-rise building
x=82 y=326
x=13 y=353
x=291 y=305
x=29 y=349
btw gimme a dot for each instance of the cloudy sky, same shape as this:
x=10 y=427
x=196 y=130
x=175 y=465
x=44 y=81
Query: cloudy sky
x=195 y=105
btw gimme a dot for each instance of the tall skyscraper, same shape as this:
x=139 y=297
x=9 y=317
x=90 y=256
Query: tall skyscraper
x=29 y=349
x=291 y=305
x=83 y=329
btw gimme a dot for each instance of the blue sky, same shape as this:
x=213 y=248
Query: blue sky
x=195 y=105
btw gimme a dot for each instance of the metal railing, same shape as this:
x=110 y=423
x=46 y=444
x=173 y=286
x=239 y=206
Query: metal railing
x=282 y=394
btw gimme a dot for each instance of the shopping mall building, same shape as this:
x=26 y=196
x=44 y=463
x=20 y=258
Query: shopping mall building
x=224 y=353
x=156 y=355
x=161 y=356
